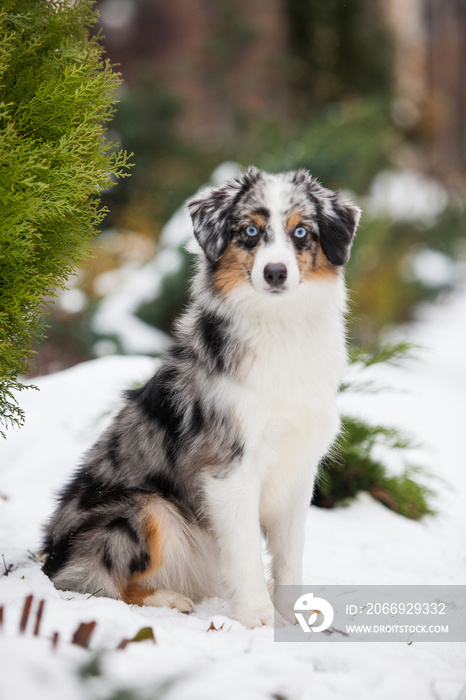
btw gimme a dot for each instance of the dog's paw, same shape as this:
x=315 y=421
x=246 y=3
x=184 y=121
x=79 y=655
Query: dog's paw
x=287 y=615
x=258 y=617
x=169 y=599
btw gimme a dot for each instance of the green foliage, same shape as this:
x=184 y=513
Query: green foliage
x=344 y=146
x=355 y=463
x=57 y=93
x=354 y=467
x=146 y=121
x=92 y=668
x=393 y=353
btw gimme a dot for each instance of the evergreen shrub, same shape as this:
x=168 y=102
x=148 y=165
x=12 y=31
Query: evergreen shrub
x=57 y=93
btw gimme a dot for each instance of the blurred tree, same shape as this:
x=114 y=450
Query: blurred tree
x=221 y=61
x=337 y=50
x=430 y=83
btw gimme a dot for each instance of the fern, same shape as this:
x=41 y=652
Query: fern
x=355 y=463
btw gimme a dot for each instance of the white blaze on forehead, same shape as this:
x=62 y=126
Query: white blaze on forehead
x=278 y=248
x=277 y=195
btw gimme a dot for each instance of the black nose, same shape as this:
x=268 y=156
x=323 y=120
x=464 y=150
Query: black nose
x=275 y=274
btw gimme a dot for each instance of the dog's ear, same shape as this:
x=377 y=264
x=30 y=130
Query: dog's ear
x=337 y=225
x=211 y=211
x=337 y=218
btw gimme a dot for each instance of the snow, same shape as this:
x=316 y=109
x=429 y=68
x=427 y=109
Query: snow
x=126 y=289
x=406 y=195
x=361 y=543
x=72 y=300
x=432 y=269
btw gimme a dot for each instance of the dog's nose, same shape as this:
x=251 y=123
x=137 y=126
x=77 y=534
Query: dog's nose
x=275 y=274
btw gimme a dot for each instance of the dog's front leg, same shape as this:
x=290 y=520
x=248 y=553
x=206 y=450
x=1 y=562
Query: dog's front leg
x=285 y=539
x=285 y=542
x=233 y=508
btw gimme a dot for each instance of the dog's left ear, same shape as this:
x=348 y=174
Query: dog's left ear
x=211 y=211
x=338 y=221
x=337 y=218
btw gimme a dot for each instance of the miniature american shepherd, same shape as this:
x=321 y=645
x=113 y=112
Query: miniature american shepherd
x=221 y=447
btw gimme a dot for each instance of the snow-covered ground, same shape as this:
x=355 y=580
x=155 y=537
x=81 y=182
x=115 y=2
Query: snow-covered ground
x=362 y=543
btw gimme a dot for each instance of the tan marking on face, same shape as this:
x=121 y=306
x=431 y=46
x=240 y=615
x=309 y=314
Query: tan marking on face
x=312 y=266
x=258 y=220
x=294 y=220
x=316 y=269
x=233 y=269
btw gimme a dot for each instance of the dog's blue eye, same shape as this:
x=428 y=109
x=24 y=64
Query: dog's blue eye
x=251 y=231
x=300 y=232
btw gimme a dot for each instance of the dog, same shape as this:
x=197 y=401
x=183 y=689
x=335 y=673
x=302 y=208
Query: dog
x=222 y=445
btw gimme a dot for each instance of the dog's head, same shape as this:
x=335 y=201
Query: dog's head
x=273 y=231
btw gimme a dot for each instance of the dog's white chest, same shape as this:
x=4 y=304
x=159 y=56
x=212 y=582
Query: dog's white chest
x=287 y=405
x=296 y=363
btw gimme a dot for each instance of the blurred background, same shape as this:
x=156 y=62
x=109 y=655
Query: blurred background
x=369 y=95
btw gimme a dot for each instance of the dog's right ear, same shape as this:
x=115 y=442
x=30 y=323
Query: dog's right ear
x=211 y=211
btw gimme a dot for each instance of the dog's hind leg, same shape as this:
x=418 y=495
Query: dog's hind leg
x=163 y=530
x=181 y=561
